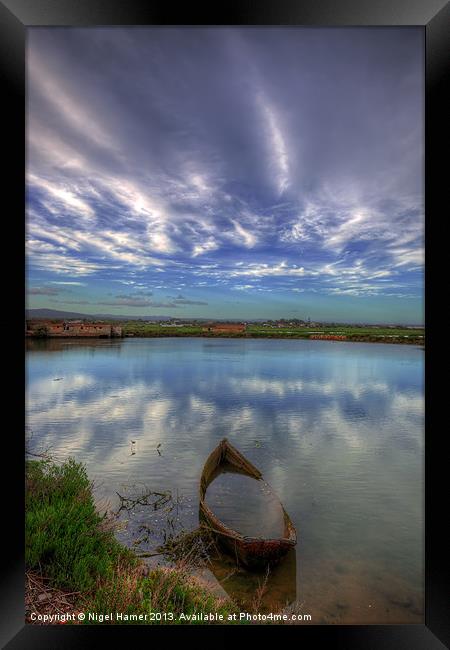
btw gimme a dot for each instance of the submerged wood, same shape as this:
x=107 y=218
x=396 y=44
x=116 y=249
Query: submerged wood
x=253 y=552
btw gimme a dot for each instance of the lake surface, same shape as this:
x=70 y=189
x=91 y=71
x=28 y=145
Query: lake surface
x=262 y=514
x=336 y=428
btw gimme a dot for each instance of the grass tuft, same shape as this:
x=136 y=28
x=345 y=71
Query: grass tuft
x=65 y=539
x=69 y=547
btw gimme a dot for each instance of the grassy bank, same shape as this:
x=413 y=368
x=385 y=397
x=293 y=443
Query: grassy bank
x=74 y=563
x=351 y=333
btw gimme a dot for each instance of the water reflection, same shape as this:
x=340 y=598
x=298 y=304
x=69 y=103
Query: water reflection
x=336 y=429
x=265 y=592
x=245 y=504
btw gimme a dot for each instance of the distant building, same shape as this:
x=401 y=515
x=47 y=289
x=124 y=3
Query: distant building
x=224 y=328
x=47 y=328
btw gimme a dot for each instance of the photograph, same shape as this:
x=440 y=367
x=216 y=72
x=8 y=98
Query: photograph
x=225 y=326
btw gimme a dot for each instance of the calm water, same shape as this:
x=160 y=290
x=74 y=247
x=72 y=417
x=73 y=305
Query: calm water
x=335 y=428
x=262 y=514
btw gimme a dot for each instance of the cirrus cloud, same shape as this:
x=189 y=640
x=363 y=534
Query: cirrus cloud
x=293 y=156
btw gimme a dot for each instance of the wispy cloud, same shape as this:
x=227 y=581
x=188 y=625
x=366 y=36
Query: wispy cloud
x=264 y=270
x=43 y=291
x=80 y=284
x=228 y=156
x=181 y=300
x=279 y=161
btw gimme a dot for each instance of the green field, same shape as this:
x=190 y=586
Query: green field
x=352 y=333
x=140 y=328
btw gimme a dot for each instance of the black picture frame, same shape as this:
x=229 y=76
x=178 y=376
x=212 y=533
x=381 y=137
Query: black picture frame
x=15 y=17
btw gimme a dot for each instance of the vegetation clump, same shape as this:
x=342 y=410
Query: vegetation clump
x=65 y=538
x=71 y=551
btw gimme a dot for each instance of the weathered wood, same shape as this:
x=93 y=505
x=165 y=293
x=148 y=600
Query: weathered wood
x=253 y=552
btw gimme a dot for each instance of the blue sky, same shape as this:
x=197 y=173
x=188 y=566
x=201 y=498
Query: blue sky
x=226 y=172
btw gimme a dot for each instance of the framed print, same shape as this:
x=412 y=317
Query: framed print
x=228 y=392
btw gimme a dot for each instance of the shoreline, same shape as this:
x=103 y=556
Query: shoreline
x=78 y=573
x=391 y=339
x=360 y=339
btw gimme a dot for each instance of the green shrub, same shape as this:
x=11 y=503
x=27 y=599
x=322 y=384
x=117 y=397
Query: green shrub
x=63 y=533
x=68 y=543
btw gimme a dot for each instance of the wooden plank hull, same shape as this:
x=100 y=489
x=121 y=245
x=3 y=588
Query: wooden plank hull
x=253 y=552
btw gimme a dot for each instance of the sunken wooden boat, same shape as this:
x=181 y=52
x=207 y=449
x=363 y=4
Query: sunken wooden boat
x=253 y=552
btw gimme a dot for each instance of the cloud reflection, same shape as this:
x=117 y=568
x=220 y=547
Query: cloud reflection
x=336 y=429
x=93 y=413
